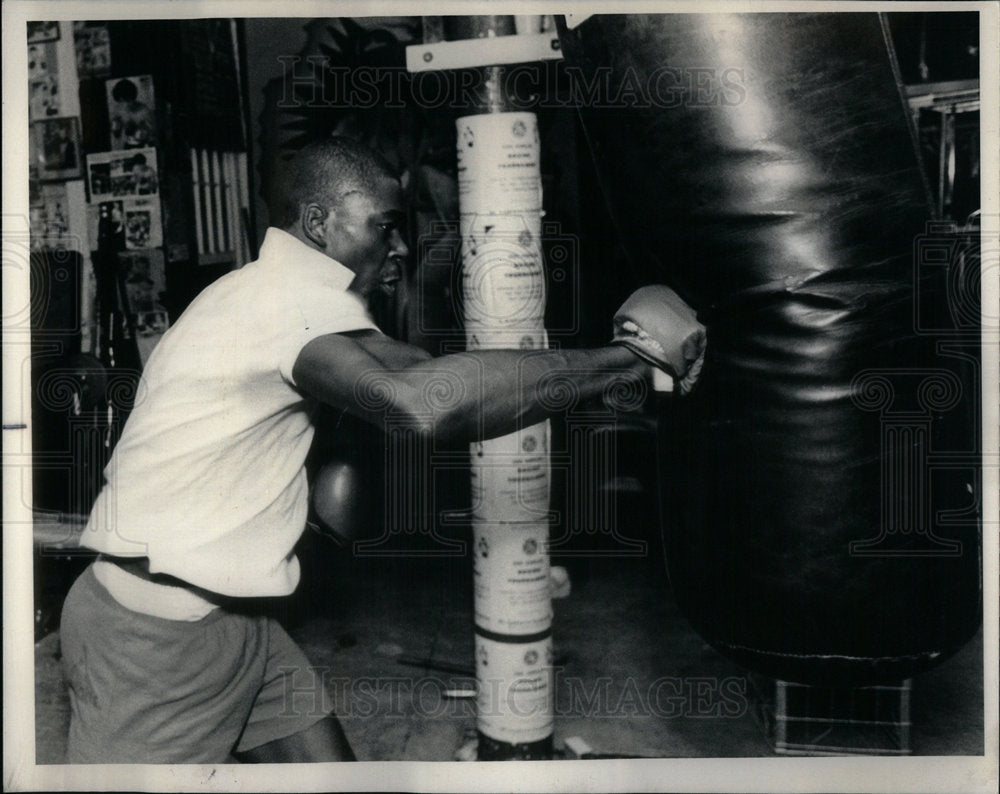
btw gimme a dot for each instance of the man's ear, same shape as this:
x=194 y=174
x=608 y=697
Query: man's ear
x=313 y=217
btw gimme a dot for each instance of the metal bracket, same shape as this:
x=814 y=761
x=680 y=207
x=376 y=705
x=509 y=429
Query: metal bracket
x=470 y=53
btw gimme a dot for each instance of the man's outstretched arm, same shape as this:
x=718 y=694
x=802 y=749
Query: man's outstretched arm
x=458 y=397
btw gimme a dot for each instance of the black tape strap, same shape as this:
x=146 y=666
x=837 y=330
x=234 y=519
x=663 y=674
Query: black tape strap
x=519 y=639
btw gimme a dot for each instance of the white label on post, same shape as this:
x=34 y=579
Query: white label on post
x=498 y=162
x=503 y=279
x=511 y=577
x=514 y=690
x=511 y=476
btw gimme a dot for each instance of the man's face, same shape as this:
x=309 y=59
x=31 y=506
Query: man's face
x=363 y=234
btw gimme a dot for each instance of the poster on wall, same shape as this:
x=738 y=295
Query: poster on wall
x=93 y=49
x=127 y=223
x=49 y=213
x=41 y=60
x=43 y=97
x=131 y=110
x=143 y=274
x=117 y=174
x=43 y=31
x=56 y=148
x=143 y=277
x=143 y=225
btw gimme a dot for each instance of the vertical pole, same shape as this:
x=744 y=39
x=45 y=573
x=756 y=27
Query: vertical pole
x=503 y=290
x=215 y=169
x=196 y=182
x=942 y=162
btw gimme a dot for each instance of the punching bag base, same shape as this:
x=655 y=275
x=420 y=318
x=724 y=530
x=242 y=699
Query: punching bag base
x=835 y=671
x=495 y=750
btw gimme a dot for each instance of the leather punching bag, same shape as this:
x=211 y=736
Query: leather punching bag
x=763 y=166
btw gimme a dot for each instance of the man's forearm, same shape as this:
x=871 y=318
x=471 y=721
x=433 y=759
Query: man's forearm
x=488 y=393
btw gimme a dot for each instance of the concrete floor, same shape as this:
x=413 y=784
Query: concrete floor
x=618 y=638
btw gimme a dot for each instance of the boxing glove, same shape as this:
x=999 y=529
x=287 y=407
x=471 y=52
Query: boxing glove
x=658 y=326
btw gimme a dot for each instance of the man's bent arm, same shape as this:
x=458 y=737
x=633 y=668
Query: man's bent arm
x=462 y=396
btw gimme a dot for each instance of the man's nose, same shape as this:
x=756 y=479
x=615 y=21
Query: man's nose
x=399 y=249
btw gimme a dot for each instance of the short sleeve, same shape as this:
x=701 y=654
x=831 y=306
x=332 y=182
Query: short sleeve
x=321 y=312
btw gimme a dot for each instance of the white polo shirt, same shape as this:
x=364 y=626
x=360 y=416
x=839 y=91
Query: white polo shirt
x=208 y=478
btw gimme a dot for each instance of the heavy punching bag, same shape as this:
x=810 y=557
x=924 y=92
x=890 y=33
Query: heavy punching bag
x=763 y=166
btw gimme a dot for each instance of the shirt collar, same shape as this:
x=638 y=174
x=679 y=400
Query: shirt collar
x=283 y=250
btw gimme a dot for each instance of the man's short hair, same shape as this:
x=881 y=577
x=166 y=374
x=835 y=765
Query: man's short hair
x=324 y=172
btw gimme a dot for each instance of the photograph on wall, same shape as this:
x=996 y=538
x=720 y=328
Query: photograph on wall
x=43 y=97
x=41 y=60
x=43 y=31
x=116 y=174
x=57 y=148
x=142 y=272
x=143 y=226
x=49 y=213
x=127 y=223
x=93 y=49
x=143 y=278
x=132 y=112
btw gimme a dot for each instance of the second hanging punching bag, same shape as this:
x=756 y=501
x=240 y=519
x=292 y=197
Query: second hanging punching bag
x=762 y=165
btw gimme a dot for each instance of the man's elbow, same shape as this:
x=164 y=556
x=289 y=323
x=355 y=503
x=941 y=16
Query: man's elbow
x=422 y=427
x=440 y=428
x=416 y=424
